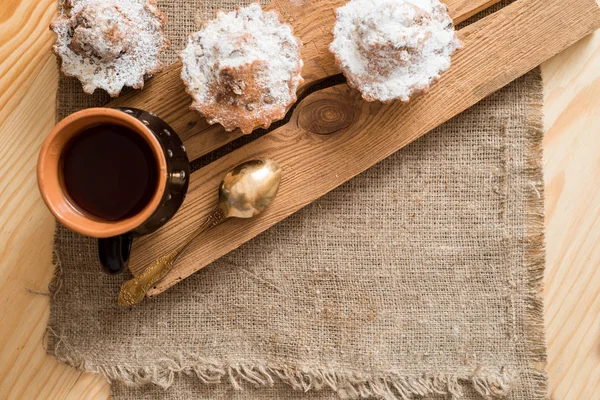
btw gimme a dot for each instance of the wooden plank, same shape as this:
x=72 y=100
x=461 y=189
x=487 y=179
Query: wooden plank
x=90 y=386
x=498 y=49
x=572 y=173
x=26 y=226
x=28 y=82
x=465 y=9
x=313 y=23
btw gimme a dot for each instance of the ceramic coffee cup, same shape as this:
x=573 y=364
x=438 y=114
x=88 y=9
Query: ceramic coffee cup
x=165 y=195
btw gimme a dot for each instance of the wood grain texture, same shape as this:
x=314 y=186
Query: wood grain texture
x=495 y=53
x=312 y=22
x=572 y=173
x=28 y=83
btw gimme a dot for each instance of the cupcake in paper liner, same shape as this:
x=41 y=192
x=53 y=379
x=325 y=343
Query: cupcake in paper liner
x=242 y=69
x=393 y=49
x=110 y=44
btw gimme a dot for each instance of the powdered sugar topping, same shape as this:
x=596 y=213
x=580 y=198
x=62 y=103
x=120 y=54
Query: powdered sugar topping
x=242 y=68
x=392 y=49
x=110 y=44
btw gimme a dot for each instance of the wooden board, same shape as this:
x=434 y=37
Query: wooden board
x=571 y=169
x=313 y=23
x=498 y=49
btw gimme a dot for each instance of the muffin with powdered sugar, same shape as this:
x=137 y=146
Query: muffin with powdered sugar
x=393 y=49
x=242 y=69
x=109 y=44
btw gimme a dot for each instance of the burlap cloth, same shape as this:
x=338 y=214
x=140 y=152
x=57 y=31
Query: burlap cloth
x=418 y=278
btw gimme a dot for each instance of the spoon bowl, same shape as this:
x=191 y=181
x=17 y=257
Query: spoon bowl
x=249 y=188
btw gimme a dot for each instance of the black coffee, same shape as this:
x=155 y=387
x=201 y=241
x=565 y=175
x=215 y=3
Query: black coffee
x=109 y=172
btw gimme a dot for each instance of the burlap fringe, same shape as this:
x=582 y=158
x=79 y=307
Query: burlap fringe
x=535 y=250
x=348 y=385
x=55 y=284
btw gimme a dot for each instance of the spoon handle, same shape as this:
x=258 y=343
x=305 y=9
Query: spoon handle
x=134 y=290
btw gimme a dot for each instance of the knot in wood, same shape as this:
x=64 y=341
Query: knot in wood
x=325 y=116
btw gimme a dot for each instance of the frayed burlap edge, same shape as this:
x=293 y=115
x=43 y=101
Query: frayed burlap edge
x=534 y=239
x=347 y=384
x=487 y=381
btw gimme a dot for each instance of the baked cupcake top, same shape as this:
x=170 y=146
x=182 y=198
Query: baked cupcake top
x=109 y=44
x=242 y=69
x=393 y=49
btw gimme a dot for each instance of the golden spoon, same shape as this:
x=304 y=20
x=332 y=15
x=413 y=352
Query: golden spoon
x=244 y=192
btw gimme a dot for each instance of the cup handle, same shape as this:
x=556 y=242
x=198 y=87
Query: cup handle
x=114 y=252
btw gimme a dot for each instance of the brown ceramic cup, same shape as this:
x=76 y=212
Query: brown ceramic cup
x=116 y=237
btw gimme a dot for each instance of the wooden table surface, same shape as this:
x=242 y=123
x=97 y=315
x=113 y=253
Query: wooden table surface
x=28 y=82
